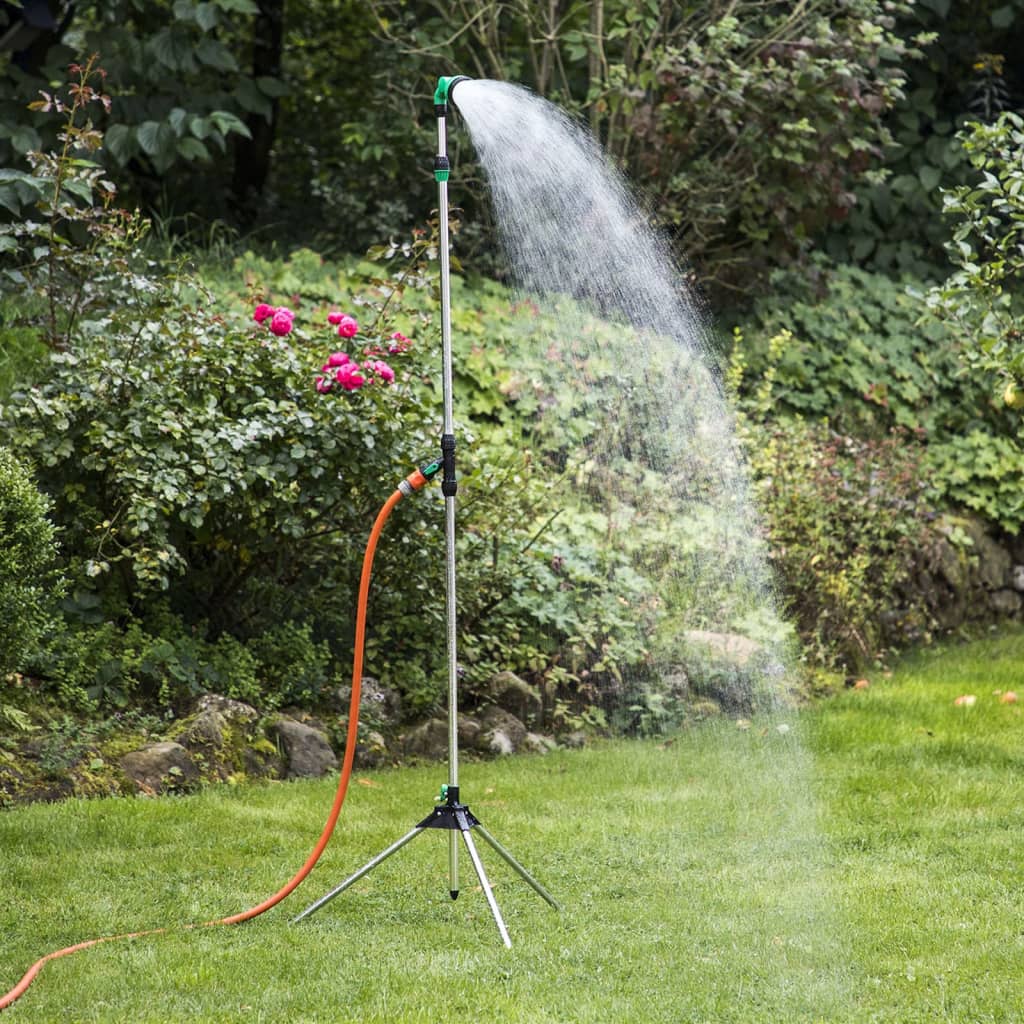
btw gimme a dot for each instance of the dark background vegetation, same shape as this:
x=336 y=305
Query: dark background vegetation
x=796 y=154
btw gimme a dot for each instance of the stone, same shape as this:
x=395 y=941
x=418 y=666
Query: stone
x=371 y=750
x=516 y=695
x=574 y=740
x=306 y=749
x=535 y=743
x=160 y=767
x=994 y=563
x=1005 y=602
x=428 y=740
x=502 y=733
x=469 y=731
x=1017 y=577
x=379 y=705
x=730 y=647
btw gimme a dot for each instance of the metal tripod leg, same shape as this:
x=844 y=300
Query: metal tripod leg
x=486 y=886
x=364 y=870
x=517 y=867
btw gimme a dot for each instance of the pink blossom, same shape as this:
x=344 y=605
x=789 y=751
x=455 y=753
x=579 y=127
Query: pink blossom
x=261 y=312
x=399 y=343
x=334 y=317
x=287 y=312
x=349 y=377
x=323 y=385
x=348 y=326
x=281 y=323
x=336 y=359
x=381 y=369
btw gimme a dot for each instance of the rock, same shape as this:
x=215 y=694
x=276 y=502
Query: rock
x=160 y=767
x=371 y=750
x=306 y=749
x=1005 y=602
x=574 y=740
x=428 y=740
x=379 y=705
x=224 y=738
x=516 y=695
x=1017 y=577
x=502 y=733
x=469 y=731
x=730 y=647
x=535 y=743
x=994 y=563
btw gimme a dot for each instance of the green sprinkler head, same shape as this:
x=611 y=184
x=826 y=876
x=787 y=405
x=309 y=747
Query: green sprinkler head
x=445 y=87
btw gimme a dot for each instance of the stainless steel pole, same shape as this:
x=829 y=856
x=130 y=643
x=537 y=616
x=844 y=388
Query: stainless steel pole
x=449 y=489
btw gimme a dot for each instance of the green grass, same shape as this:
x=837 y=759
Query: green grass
x=865 y=865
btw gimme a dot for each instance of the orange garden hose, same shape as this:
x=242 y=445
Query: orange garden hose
x=413 y=482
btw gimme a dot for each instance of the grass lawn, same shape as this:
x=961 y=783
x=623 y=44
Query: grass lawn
x=864 y=864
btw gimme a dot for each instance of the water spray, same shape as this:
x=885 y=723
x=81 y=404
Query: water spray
x=449 y=813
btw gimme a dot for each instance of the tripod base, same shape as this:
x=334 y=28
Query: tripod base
x=452 y=817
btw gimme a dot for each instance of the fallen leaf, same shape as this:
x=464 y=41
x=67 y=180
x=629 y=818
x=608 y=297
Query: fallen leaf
x=370 y=783
x=965 y=700
x=862 y=684
x=1008 y=698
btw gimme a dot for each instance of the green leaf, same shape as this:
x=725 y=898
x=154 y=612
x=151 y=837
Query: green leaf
x=24 y=139
x=1003 y=17
x=215 y=55
x=930 y=177
x=121 y=142
x=207 y=16
x=193 y=149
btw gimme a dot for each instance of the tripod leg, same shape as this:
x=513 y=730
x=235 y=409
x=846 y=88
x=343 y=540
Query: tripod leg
x=453 y=865
x=364 y=870
x=486 y=886
x=517 y=867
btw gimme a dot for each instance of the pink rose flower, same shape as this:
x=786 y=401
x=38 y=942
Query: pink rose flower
x=281 y=323
x=323 y=385
x=349 y=377
x=262 y=312
x=348 y=326
x=381 y=369
x=337 y=359
x=399 y=343
x=287 y=312
x=334 y=317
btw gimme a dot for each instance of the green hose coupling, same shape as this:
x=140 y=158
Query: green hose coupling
x=445 y=85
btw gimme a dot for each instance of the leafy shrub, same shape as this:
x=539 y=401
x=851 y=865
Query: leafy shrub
x=29 y=582
x=864 y=355
x=846 y=518
x=983 y=294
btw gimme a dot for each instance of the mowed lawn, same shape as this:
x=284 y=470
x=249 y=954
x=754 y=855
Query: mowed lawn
x=861 y=861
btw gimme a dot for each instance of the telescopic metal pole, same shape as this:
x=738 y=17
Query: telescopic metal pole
x=449 y=486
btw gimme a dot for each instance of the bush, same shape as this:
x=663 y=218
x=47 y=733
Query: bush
x=861 y=352
x=29 y=582
x=846 y=519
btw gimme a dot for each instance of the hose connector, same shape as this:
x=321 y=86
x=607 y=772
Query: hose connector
x=445 y=87
x=419 y=478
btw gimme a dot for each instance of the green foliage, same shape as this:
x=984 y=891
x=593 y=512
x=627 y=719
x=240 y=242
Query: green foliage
x=29 y=581
x=894 y=225
x=176 y=72
x=983 y=294
x=856 y=350
x=982 y=471
x=864 y=356
x=845 y=519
